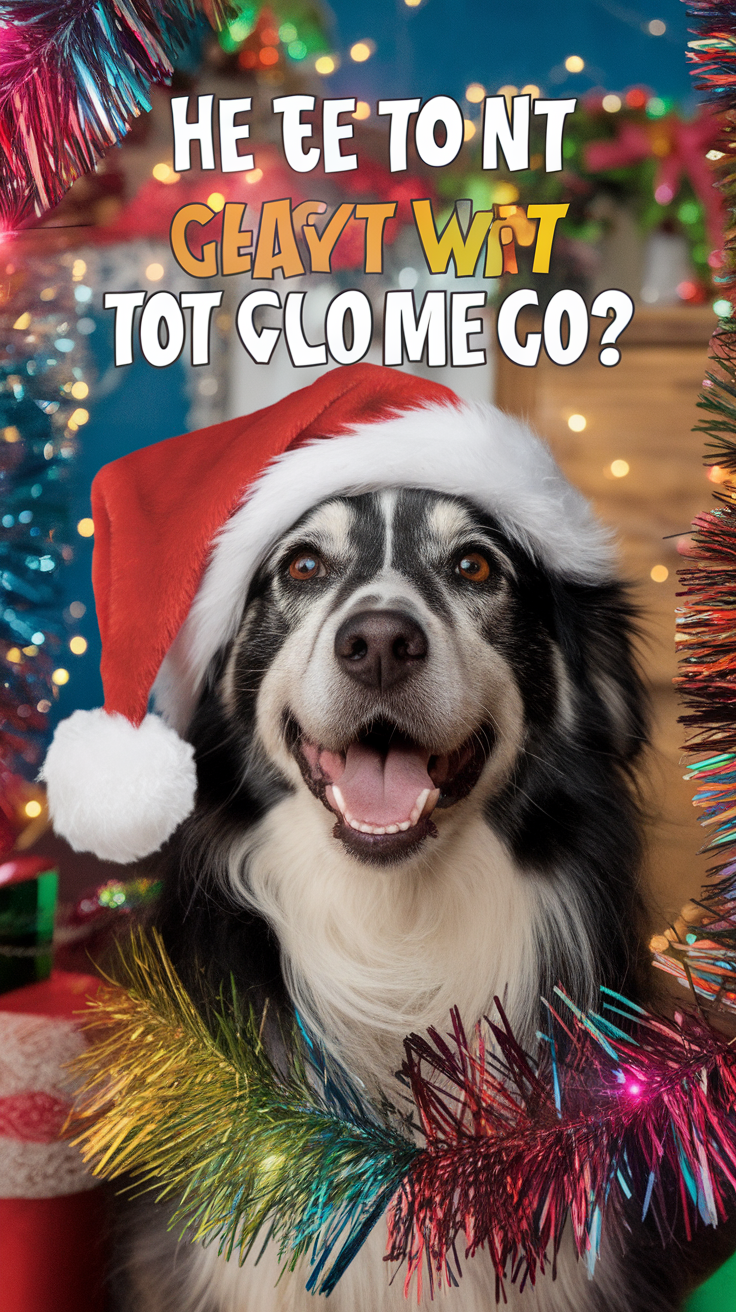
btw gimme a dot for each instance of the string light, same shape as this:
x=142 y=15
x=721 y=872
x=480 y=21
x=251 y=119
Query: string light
x=361 y=51
x=325 y=65
x=504 y=193
x=254 y=175
x=216 y=202
x=574 y=64
x=577 y=423
x=86 y=528
x=79 y=391
x=659 y=573
x=469 y=129
x=531 y=90
x=60 y=677
x=362 y=110
x=79 y=268
x=77 y=609
x=79 y=417
x=33 y=809
x=78 y=645
x=657 y=27
x=611 y=104
x=475 y=93
x=164 y=173
x=154 y=272
x=619 y=468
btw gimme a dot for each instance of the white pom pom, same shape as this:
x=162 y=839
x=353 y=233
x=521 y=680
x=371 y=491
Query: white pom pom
x=116 y=790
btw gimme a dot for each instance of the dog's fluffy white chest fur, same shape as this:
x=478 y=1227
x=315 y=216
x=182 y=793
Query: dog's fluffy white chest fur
x=371 y=954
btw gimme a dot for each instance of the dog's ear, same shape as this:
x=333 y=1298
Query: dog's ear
x=597 y=631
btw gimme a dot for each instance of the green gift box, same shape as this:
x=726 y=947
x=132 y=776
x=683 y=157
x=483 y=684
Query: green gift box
x=28 y=892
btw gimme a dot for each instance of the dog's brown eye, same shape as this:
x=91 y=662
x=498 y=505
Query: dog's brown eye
x=306 y=566
x=474 y=567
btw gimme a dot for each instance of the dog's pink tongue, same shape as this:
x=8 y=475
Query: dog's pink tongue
x=382 y=790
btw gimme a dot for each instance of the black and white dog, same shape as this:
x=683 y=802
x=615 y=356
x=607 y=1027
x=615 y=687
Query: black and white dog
x=414 y=793
x=414 y=742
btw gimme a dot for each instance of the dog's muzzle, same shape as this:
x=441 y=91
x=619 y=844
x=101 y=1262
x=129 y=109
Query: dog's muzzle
x=381 y=782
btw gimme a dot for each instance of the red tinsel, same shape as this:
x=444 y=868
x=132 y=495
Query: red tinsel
x=75 y=73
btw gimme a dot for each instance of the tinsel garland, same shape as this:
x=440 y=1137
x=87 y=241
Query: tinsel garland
x=75 y=73
x=700 y=949
x=43 y=378
x=511 y=1148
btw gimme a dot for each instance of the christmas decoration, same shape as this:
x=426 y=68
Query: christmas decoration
x=700 y=949
x=266 y=38
x=28 y=889
x=43 y=403
x=85 y=931
x=514 y=1148
x=632 y=151
x=74 y=76
x=679 y=148
x=52 y=1216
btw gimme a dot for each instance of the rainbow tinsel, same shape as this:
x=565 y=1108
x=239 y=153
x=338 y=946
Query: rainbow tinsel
x=510 y=1148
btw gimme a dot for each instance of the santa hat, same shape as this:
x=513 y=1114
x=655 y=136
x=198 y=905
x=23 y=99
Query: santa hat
x=181 y=527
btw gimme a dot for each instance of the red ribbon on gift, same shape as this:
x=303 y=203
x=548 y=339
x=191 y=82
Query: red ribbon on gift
x=680 y=147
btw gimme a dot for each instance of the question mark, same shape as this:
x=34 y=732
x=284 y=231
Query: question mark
x=623 y=312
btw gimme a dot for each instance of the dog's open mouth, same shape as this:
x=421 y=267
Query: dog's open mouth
x=384 y=786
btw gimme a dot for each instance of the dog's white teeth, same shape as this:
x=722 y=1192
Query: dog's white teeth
x=432 y=799
x=391 y=829
x=354 y=824
x=418 y=806
x=339 y=802
x=405 y=824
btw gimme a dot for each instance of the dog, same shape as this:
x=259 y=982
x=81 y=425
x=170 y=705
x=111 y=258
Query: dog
x=415 y=792
x=416 y=723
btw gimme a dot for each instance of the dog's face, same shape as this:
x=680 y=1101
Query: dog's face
x=391 y=661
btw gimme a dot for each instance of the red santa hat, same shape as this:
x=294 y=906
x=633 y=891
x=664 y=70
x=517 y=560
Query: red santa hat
x=181 y=527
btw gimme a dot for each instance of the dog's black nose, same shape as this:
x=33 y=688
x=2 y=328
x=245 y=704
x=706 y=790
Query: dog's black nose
x=380 y=647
